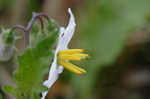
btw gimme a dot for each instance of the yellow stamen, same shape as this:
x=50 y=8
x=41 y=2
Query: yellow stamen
x=69 y=57
x=72 y=56
x=72 y=67
x=71 y=51
x=81 y=55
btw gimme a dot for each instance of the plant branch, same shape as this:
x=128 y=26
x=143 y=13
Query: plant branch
x=28 y=28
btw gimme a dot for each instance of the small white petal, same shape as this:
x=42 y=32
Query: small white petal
x=44 y=94
x=53 y=74
x=70 y=28
x=68 y=32
x=65 y=35
x=60 y=45
x=61 y=31
x=60 y=69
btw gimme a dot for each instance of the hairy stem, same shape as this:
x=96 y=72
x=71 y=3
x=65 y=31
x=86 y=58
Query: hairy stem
x=28 y=28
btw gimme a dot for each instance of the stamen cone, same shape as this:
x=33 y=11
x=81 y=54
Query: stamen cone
x=72 y=51
x=72 y=67
x=75 y=57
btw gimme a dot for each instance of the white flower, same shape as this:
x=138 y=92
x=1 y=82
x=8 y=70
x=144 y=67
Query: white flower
x=63 y=55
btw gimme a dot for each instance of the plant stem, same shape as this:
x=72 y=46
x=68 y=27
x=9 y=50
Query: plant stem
x=28 y=28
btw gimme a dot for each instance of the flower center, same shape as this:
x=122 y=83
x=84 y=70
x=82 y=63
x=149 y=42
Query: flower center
x=71 y=54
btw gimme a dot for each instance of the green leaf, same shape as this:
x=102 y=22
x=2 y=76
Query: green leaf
x=8 y=37
x=33 y=65
x=1 y=96
x=9 y=89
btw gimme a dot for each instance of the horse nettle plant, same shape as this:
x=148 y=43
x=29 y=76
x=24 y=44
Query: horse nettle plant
x=33 y=62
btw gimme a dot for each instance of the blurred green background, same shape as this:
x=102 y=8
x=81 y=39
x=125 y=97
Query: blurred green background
x=115 y=33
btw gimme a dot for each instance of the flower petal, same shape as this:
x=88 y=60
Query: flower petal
x=44 y=94
x=63 y=41
x=70 y=28
x=68 y=32
x=53 y=75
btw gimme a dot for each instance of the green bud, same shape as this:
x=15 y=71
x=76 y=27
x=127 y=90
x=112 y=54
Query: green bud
x=6 y=45
x=7 y=36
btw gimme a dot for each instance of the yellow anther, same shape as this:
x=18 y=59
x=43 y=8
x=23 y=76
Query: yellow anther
x=81 y=55
x=71 y=54
x=72 y=67
x=71 y=51
x=69 y=57
x=76 y=57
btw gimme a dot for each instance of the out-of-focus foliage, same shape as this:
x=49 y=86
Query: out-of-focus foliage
x=33 y=64
x=104 y=30
x=5 y=3
x=1 y=96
